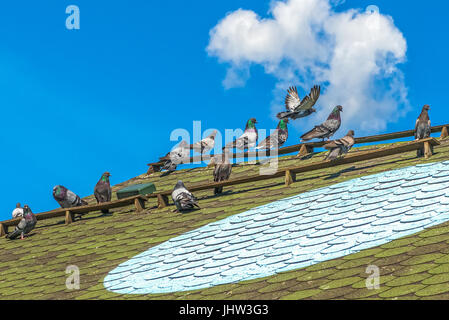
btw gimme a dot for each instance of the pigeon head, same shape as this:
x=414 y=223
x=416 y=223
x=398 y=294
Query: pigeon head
x=338 y=109
x=213 y=134
x=426 y=108
x=59 y=192
x=251 y=124
x=105 y=176
x=179 y=185
x=351 y=133
x=26 y=210
x=18 y=205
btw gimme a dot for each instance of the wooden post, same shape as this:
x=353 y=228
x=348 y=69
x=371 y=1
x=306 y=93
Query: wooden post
x=444 y=133
x=68 y=217
x=139 y=204
x=3 y=230
x=162 y=201
x=290 y=177
x=305 y=150
x=427 y=150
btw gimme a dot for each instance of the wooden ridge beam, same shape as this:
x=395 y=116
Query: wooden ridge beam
x=156 y=166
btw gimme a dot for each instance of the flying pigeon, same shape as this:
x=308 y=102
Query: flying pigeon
x=176 y=156
x=26 y=224
x=422 y=128
x=183 y=198
x=277 y=138
x=297 y=108
x=18 y=211
x=340 y=147
x=66 y=198
x=103 y=191
x=327 y=128
x=206 y=144
x=222 y=171
x=248 y=139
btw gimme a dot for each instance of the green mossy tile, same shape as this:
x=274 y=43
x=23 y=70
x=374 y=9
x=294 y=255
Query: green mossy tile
x=401 y=291
x=405 y=280
x=422 y=259
x=344 y=282
x=443 y=268
x=300 y=294
x=414 y=269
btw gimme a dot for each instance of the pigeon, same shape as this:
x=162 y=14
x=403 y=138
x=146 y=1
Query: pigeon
x=176 y=156
x=66 y=198
x=17 y=212
x=183 y=198
x=297 y=108
x=277 y=138
x=103 y=191
x=26 y=224
x=206 y=144
x=327 y=128
x=222 y=171
x=422 y=128
x=340 y=147
x=248 y=139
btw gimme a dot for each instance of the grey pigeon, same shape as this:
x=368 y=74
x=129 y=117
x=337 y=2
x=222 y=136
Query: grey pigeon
x=297 y=108
x=66 y=198
x=248 y=139
x=327 y=128
x=422 y=128
x=222 y=171
x=206 y=144
x=183 y=198
x=26 y=224
x=340 y=147
x=103 y=191
x=277 y=138
x=176 y=156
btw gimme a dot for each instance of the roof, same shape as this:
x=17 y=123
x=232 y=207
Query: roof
x=414 y=266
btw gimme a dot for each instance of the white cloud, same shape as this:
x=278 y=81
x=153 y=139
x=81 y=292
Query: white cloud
x=353 y=55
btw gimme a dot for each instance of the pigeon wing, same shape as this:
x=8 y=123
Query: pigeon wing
x=292 y=100
x=310 y=100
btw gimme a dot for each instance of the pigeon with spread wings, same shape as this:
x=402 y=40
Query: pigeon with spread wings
x=297 y=108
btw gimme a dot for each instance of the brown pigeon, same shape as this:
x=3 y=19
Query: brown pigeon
x=103 y=191
x=327 y=128
x=297 y=108
x=222 y=171
x=422 y=128
x=340 y=147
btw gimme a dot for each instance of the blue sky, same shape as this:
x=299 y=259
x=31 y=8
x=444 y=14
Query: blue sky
x=76 y=103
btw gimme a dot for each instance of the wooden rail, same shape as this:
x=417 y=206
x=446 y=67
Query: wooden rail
x=290 y=173
x=138 y=201
x=306 y=148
